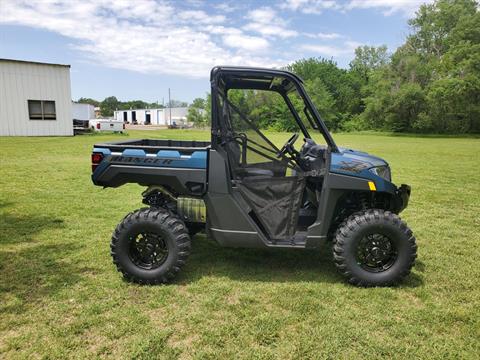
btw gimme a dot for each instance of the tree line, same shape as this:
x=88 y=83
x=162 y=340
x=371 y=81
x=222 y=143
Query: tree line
x=430 y=84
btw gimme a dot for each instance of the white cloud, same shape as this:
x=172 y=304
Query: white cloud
x=265 y=21
x=226 y=7
x=222 y=30
x=408 y=7
x=348 y=48
x=200 y=16
x=263 y=15
x=245 y=42
x=195 y=3
x=310 y=6
x=325 y=36
x=166 y=37
x=144 y=36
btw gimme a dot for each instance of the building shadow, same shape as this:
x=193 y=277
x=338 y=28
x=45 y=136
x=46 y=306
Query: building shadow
x=30 y=270
x=35 y=272
x=17 y=228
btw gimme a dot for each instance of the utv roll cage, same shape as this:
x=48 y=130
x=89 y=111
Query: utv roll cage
x=225 y=78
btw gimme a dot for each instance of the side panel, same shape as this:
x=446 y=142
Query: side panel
x=186 y=174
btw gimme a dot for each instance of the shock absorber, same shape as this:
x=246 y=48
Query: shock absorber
x=364 y=201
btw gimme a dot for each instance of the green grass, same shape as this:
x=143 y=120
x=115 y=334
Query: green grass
x=60 y=295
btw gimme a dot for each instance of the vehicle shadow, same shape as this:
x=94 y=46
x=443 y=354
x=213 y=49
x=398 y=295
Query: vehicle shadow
x=265 y=265
x=32 y=273
x=5 y=204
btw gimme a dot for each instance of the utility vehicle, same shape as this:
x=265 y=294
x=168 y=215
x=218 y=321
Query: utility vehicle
x=244 y=191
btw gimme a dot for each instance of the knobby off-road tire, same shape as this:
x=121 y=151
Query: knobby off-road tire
x=150 y=246
x=374 y=248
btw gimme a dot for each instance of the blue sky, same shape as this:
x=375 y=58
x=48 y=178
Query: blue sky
x=138 y=49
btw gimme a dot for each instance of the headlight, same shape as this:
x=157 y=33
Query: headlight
x=382 y=171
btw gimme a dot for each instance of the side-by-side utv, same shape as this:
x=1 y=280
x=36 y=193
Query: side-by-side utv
x=244 y=191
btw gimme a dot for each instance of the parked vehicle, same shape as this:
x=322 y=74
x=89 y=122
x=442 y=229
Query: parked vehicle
x=245 y=192
x=80 y=126
x=106 y=125
x=173 y=125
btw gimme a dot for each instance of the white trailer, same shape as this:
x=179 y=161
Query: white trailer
x=106 y=125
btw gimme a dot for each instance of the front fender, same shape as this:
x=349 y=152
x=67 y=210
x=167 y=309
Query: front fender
x=401 y=198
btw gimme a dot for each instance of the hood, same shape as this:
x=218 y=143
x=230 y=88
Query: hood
x=354 y=162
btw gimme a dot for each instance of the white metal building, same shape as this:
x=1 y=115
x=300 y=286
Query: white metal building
x=35 y=99
x=153 y=116
x=82 y=111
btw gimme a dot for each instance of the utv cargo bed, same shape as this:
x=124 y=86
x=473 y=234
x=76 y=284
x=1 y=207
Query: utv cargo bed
x=178 y=164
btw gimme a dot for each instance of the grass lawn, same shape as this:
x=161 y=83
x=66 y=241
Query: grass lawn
x=60 y=295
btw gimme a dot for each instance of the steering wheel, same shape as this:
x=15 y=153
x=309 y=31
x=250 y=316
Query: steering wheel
x=288 y=147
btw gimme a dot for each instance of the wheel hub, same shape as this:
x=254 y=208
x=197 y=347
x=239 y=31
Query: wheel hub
x=149 y=247
x=376 y=252
x=148 y=250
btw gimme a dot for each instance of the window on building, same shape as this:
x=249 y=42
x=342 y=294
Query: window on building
x=42 y=110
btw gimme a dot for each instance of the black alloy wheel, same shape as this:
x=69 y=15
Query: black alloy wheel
x=376 y=252
x=150 y=246
x=374 y=248
x=148 y=250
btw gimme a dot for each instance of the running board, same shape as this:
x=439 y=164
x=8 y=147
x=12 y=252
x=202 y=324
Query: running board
x=299 y=240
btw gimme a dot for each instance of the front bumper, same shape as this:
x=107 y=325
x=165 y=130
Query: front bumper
x=402 y=195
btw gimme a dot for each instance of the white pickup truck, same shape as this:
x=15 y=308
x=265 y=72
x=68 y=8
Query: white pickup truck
x=106 y=125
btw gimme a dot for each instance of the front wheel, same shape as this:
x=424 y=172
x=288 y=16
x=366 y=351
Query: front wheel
x=150 y=246
x=374 y=248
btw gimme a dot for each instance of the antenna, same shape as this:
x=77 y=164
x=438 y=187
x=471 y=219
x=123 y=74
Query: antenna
x=170 y=105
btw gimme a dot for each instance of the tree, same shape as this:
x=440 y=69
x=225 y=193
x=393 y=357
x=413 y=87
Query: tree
x=197 y=113
x=432 y=83
x=178 y=103
x=343 y=86
x=367 y=59
x=133 y=104
x=196 y=116
x=109 y=105
x=323 y=101
x=198 y=103
x=90 y=101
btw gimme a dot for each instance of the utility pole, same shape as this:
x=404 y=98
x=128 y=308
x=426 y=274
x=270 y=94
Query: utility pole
x=170 y=105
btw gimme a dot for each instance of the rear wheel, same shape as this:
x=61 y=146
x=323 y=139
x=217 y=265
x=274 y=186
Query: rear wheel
x=374 y=248
x=150 y=246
